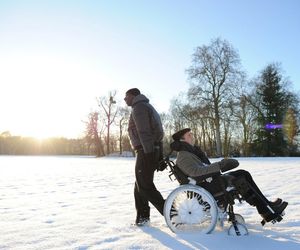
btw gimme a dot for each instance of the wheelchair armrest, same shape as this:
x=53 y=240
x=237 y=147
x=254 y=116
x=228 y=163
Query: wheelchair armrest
x=192 y=181
x=207 y=177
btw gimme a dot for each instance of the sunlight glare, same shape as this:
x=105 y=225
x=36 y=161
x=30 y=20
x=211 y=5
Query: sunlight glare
x=46 y=89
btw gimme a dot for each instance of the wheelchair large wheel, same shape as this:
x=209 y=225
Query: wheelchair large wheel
x=190 y=208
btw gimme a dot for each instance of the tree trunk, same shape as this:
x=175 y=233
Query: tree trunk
x=120 y=137
x=218 y=130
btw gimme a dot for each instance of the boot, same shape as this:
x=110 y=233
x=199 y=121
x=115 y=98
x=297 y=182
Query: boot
x=142 y=218
x=278 y=209
x=277 y=202
x=142 y=221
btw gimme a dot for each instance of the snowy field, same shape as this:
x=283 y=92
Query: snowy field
x=87 y=203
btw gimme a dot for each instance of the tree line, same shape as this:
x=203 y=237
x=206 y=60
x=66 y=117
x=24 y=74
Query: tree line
x=229 y=113
x=18 y=145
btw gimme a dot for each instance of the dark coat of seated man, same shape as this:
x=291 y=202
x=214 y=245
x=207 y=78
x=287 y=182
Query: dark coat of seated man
x=193 y=162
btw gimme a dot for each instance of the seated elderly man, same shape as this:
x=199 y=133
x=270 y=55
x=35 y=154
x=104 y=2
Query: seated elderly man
x=193 y=162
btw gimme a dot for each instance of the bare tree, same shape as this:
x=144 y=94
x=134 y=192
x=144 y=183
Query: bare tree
x=110 y=111
x=245 y=115
x=94 y=133
x=215 y=70
x=122 y=122
x=176 y=113
x=191 y=114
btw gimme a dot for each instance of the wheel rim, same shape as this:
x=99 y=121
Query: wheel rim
x=239 y=218
x=237 y=230
x=190 y=211
x=190 y=208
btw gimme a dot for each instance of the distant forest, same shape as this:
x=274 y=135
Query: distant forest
x=229 y=113
x=17 y=145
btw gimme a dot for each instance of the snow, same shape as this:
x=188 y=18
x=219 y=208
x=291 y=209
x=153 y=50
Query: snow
x=87 y=203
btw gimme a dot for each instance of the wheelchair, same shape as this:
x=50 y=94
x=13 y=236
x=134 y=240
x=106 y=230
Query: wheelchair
x=197 y=206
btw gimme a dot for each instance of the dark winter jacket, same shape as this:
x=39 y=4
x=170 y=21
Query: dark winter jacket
x=192 y=161
x=144 y=128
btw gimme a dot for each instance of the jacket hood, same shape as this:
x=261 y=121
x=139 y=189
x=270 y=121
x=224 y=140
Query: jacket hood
x=139 y=98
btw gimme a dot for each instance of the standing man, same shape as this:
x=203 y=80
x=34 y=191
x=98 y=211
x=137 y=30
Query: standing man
x=146 y=133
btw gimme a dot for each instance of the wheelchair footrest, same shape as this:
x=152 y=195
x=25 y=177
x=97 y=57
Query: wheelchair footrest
x=277 y=219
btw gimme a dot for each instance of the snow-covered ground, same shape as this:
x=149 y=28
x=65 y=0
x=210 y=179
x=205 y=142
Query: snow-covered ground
x=87 y=203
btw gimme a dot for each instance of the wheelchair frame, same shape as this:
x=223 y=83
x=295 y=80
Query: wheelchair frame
x=191 y=207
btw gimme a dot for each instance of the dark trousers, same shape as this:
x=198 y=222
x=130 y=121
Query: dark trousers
x=253 y=195
x=144 y=188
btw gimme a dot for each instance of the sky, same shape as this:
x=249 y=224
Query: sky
x=57 y=57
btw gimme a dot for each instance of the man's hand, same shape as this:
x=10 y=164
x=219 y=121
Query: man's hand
x=228 y=164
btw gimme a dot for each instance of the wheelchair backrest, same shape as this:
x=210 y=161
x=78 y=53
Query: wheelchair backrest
x=179 y=175
x=174 y=171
